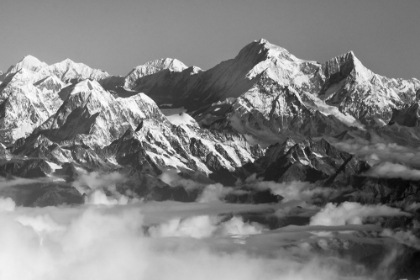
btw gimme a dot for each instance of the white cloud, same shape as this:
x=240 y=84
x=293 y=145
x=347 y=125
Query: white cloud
x=376 y=152
x=4 y=183
x=393 y=170
x=97 y=185
x=214 y=193
x=98 y=197
x=205 y=226
x=7 y=204
x=171 y=178
x=351 y=213
x=295 y=190
x=91 y=242
x=413 y=206
x=87 y=182
x=196 y=227
x=236 y=226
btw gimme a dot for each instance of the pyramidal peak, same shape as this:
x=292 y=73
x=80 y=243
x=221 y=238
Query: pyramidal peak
x=360 y=70
x=351 y=57
x=348 y=63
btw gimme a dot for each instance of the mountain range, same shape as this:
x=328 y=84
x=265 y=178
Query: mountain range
x=168 y=131
x=220 y=125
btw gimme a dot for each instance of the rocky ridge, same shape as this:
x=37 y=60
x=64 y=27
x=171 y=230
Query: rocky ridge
x=264 y=112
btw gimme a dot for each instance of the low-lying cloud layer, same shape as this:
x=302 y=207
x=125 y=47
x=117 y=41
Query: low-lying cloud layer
x=205 y=226
x=352 y=213
x=97 y=185
x=393 y=170
x=290 y=191
x=113 y=236
x=377 y=152
x=109 y=242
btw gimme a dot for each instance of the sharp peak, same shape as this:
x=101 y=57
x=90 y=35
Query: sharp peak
x=261 y=46
x=350 y=59
x=349 y=56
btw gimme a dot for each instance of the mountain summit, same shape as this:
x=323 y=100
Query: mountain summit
x=325 y=148
x=216 y=120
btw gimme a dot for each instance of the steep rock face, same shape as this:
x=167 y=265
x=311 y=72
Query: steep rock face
x=313 y=161
x=25 y=105
x=407 y=116
x=228 y=79
x=356 y=90
x=93 y=115
x=72 y=117
x=341 y=87
x=271 y=113
x=385 y=191
x=43 y=194
x=307 y=161
x=91 y=121
x=395 y=133
x=30 y=93
x=152 y=67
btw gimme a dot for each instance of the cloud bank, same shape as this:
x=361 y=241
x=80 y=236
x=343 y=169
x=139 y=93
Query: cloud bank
x=352 y=213
x=290 y=191
x=205 y=226
x=109 y=242
x=375 y=153
x=393 y=170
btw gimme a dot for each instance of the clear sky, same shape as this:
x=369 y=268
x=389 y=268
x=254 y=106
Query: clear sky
x=118 y=35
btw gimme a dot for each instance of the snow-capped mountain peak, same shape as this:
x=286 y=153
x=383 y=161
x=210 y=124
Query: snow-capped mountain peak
x=262 y=49
x=69 y=70
x=348 y=64
x=29 y=62
x=157 y=65
x=153 y=67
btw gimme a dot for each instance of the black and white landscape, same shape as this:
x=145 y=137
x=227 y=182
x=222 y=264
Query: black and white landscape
x=265 y=166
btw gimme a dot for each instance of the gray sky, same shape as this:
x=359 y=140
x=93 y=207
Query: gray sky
x=118 y=35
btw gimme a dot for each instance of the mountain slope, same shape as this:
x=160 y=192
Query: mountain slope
x=342 y=90
x=31 y=91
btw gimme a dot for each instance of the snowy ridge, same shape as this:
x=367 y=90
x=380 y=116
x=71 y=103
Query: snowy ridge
x=341 y=92
x=67 y=70
x=31 y=92
x=264 y=95
x=153 y=67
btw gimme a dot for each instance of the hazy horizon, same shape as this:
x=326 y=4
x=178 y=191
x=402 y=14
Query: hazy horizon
x=116 y=37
